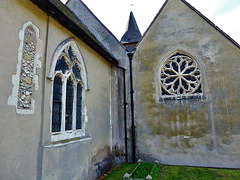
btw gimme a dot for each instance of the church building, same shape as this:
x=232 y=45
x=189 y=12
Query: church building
x=75 y=101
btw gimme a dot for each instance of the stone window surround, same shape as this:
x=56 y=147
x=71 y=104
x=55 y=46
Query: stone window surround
x=62 y=135
x=157 y=84
x=13 y=98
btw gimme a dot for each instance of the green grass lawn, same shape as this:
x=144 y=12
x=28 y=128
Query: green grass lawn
x=118 y=172
x=171 y=172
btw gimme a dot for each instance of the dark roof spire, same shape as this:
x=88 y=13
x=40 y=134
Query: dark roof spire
x=132 y=35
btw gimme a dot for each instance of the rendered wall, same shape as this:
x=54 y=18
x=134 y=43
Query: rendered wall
x=93 y=155
x=196 y=132
x=26 y=150
x=19 y=133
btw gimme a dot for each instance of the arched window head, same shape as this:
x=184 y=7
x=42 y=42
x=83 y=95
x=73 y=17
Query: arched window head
x=180 y=76
x=69 y=75
x=67 y=58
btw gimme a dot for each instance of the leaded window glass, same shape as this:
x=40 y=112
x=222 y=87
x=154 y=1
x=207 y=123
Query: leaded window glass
x=76 y=71
x=180 y=76
x=79 y=107
x=62 y=64
x=71 y=54
x=68 y=106
x=57 y=104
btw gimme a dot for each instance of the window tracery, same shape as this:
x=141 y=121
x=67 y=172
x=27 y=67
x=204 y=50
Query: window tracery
x=68 y=103
x=180 y=76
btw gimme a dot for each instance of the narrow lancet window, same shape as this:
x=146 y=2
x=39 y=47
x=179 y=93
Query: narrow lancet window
x=57 y=104
x=69 y=104
x=79 y=107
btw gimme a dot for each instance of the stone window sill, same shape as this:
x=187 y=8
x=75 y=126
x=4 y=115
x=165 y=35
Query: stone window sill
x=182 y=98
x=67 y=141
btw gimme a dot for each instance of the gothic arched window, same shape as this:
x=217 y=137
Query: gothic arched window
x=69 y=76
x=180 y=76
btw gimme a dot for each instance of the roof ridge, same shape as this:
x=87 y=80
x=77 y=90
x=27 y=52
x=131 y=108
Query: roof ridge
x=198 y=13
x=211 y=23
x=154 y=19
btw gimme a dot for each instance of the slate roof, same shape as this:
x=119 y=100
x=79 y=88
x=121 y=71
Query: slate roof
x=132 y=34
x=100 y=39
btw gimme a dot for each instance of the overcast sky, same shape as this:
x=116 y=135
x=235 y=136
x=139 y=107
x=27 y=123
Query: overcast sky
x=114 y=14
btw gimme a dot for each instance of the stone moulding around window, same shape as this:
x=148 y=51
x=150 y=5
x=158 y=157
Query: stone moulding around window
x=26 y=77
x=57 y=53
x=178 y=76
x=69 y=53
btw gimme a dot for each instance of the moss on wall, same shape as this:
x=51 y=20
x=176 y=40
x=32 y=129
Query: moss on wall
x=188 y=131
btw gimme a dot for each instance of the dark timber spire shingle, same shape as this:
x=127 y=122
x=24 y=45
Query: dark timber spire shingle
x=132 y=35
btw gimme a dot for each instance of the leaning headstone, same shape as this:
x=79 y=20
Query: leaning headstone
x=149 y=177
x=126 y=176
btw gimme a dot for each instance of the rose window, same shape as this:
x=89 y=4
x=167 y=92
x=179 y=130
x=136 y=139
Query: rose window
x=180 y=76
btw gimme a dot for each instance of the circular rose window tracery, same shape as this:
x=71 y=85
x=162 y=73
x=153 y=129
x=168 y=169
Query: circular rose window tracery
x=180 y=75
